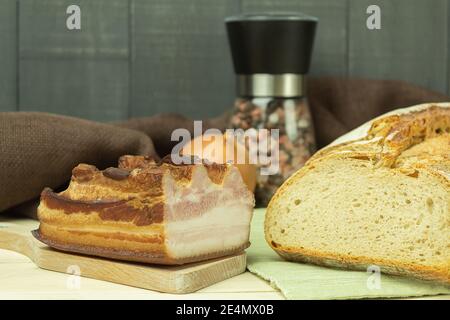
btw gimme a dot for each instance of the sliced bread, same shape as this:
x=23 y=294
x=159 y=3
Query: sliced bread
x=379 y=195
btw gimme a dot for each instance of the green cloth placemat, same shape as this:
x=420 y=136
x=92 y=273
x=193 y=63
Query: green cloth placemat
x=303 y=281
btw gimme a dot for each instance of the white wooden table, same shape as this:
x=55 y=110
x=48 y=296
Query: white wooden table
x=21 y=279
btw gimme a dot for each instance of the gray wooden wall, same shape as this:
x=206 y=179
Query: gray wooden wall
x=141 y=57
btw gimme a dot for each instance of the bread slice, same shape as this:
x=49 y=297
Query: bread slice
x=380 y=195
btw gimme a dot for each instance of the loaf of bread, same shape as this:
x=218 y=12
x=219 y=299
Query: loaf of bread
x=379 y=195
x=149 y=212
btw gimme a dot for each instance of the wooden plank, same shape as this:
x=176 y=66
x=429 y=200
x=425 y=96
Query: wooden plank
x=43 y=284
x=181 y=60
x=330 y=48
x=411 y=45
x=81 y=73
x=16 y=236
x=14 y=266
x=91 y=89
x=8 y=55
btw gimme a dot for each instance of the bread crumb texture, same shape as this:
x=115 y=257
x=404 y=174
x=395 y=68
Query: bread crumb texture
x=378 y=198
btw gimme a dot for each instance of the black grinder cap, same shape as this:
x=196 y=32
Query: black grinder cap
x=271 y=43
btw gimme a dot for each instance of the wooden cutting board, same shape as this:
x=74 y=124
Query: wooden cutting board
x=15 y=235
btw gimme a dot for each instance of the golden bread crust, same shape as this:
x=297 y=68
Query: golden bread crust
x=410 y=141
x=389 y=137
x=371 y=146
x=330 y=259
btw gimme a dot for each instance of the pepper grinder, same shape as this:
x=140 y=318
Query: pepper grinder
x=271 y=55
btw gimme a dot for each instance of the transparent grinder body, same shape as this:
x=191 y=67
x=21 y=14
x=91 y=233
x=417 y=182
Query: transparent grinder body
x=296 y=142
x=271 y=55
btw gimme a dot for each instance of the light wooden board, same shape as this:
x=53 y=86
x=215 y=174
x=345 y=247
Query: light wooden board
x=15 y=236
x=21 y=279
